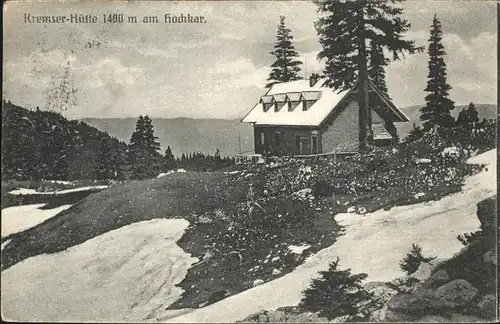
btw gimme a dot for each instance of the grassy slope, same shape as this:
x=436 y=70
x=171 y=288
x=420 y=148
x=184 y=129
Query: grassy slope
x=175 y=196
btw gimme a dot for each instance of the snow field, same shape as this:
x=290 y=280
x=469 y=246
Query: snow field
x=125 y=275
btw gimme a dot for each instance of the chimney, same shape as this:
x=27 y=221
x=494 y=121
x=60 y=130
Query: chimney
x=313 y=79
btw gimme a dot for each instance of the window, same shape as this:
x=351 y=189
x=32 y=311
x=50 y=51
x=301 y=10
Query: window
x=314 y=144
x=262 y=138
x=292 y=105
x=308 y=104
x=268 y=106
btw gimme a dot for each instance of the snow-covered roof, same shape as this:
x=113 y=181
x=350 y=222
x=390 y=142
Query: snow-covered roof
x=280 y=97
x=311 y=95
x=328 y=99
x=324 y=99
x=293 y=96
x=266 y=99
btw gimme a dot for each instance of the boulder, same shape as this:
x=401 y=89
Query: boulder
x=276 y=316
x=381 y=290
x=462 y=318
x=423 y=272
x=419 y=302
x=258 y=282
x=262 y=318
x=276 y=272
x=392 y=316
x=458 y=292
x=486 y=212
x=405 y=284
x=488 y=306
x=434 y=319
x=437 y=279
x=490 y=257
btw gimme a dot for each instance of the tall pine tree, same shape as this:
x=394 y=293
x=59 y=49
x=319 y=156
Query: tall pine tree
x=286 y=68
x=344 y=29
x=136 y=151
x=152 y=148
x=438 y=106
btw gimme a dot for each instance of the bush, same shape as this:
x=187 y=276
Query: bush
x=338 y=293
x=412 y=260
x=322 y=189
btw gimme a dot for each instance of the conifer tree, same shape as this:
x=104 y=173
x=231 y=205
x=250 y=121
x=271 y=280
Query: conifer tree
x=338 y=293
x=411 y=262
x=438 y=106
x=168 y=154
x=468 y=117
x=136 y=152
x=286 y=68
x=344 y=29
x=104 y=164
x=144 y=149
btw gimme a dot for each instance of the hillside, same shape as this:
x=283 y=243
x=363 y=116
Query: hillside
x=186 y=135
x=45 y=145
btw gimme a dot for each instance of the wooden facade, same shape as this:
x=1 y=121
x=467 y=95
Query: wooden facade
x=338 y=132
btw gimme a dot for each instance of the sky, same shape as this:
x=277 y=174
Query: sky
x=216 y=69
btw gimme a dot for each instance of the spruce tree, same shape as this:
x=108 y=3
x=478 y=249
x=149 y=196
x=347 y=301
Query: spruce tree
x=136 y=151
x=286 y=68
x=338 y=293
x=438 y=106
x=468 y=117
x=411 y=262
x=152 y=148
x=344 y=28
x=103 y=168
x=169 y=156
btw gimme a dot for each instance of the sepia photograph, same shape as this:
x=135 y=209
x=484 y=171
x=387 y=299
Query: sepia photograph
x=310 y=161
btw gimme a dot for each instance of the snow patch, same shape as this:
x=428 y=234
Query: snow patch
x=298 y=249
x=161 y=175
x=20 y=218
x=5 y=244
x=388 y=235
x=423 y=161
x=128 y=274
x=61 y=182
x=26 y=191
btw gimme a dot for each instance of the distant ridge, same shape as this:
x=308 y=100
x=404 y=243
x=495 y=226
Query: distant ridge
x=205 y=135
x=186 y=135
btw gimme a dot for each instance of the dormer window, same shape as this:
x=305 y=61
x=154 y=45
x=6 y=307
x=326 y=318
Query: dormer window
x=308 y=104
x=293 y=100
x=279 y=100
x=267 y=102
x=309 y=98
